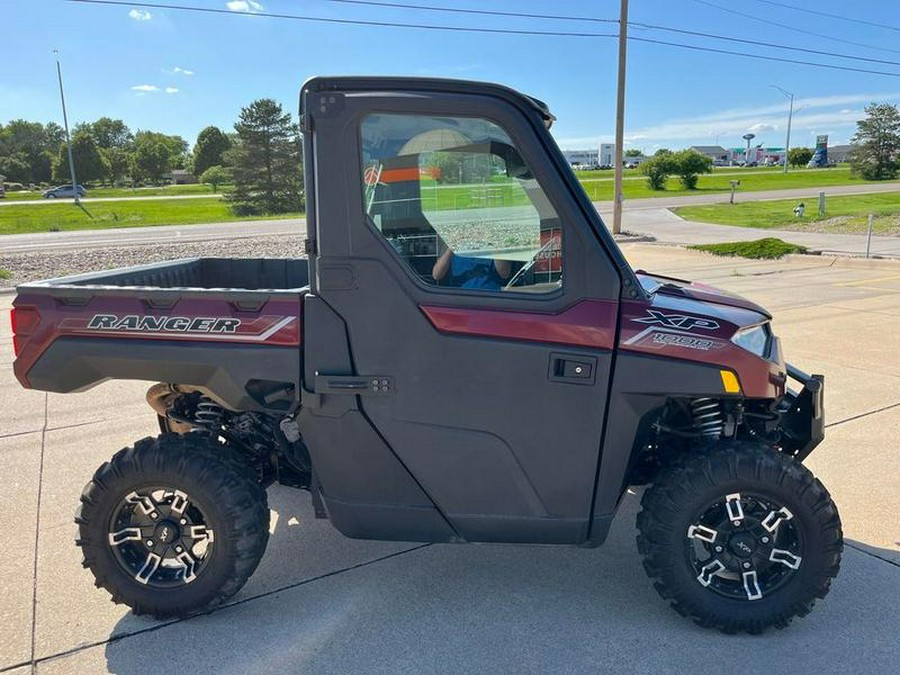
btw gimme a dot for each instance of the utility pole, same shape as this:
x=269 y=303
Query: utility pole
x=787 y=143
x=62 y=97
x=620 y=118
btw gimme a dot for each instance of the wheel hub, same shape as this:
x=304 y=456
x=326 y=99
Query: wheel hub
x=743 y=545
x=167 y=532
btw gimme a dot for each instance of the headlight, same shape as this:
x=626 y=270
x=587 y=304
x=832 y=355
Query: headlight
x=754 y=339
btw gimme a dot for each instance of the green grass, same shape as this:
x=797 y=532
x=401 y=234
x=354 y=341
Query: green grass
x=769 y=248
x=24 y=218
x=196 y=189
x=780 y=214
x=5 y=274
x=599 y=184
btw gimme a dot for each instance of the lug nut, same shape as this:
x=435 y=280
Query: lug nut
x=183 y=521
x=736 y=523
x=177 y=549
x=765 y=540
x=154 y=515
x=150 y=543
x=719 y=549
x=747 y=565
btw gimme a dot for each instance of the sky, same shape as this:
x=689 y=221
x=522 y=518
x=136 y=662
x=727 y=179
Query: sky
x=177 y=71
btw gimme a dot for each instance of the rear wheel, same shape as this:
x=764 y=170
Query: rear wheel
x=173 y=525
x=740 y=538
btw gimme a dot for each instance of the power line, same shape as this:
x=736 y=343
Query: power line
x=353 y=22
x=391 y=24
x=759 y=43
x=830 y=16
x=486 y=12
x=558 y=17
x=794 y=28
x=765 y=58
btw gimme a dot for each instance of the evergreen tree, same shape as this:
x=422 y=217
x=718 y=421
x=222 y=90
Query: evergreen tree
x=267 y=168
x=877 y=142
x=211 y=145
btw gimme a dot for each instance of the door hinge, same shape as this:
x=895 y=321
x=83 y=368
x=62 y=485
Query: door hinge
x=309 y=246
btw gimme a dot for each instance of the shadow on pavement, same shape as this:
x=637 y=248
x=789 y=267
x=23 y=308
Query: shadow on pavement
x=451 y=608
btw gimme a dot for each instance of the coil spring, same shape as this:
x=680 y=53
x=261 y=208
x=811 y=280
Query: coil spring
x=209 y=413
x=708 y=419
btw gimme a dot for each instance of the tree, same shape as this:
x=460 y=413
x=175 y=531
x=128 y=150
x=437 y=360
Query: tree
x=208 y=150
x=118 y=163
x=89 y=165
x=26 y=149
x=877 y=142
x=152 y=160
x=799 y=156
x=633 y=152
x=110 y=133
x=267 y=161
x=688 y=165
x=658 y=168
x=214 y=176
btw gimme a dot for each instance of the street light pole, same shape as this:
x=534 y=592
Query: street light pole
x=787 y=143
x=620 y=118
x=62 y=97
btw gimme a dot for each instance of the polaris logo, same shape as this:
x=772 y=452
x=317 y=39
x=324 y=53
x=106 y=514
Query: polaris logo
x=677 y=321
x=163 y=324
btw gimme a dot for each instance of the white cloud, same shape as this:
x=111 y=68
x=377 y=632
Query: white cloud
x=760 y=127
x=171 y=90
x=145 y=88
x=244 y=6
x=140 y=15
x=178 y=70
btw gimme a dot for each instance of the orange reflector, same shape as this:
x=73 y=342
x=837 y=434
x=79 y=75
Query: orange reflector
x=730 y=382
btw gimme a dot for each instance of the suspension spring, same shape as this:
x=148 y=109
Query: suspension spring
x=209 y=414
x=708 y=419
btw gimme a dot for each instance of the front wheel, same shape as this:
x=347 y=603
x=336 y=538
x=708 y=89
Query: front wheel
x=740 y=538
x=173 y=525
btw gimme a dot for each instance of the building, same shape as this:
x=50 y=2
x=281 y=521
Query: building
x=607 y=154
x=581 y=158
x=759 y=156
x=182 y=177
x=719 y=155
x=840 y=153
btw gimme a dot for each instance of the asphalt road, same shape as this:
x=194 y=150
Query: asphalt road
x=321 y=603
x=94 y=200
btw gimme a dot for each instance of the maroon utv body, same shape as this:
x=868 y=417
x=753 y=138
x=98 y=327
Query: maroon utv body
x=466 y=356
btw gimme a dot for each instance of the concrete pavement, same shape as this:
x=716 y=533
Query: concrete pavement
x=93 y=200
x=321 y=603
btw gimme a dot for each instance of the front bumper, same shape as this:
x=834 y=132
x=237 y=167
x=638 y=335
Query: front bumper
x=802 y=414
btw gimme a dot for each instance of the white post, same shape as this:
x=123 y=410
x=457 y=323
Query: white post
x=821 y=203
x=869 y=235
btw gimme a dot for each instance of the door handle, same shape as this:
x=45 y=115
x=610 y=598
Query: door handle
x=572 y=368
x=354 y=385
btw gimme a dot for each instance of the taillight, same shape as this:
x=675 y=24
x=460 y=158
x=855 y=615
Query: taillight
x=24 y=321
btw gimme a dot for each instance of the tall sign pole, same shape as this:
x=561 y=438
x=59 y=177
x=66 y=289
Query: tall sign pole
x=620 y=118
x=62 y=97
x=787 y=142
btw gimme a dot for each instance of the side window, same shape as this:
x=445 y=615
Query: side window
x=454 y=198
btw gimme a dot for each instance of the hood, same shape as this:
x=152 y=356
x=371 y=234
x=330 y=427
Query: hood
x=681 y=288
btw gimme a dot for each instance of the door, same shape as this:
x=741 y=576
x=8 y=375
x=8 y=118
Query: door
x=477 y=300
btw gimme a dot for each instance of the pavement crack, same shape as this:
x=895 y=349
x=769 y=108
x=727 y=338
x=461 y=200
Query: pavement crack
x=161 y=625
x=861 y=415
x=870 y=554
x=37 y=534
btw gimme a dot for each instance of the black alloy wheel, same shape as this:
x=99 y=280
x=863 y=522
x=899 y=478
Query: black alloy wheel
x=174 y=525
x=739 y=537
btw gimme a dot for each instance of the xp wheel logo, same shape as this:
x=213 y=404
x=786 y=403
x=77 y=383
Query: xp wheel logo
x=681 y=321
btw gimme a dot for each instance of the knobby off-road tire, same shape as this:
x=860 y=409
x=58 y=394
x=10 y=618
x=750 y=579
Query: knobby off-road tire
x=184 y=494
x=725 y=502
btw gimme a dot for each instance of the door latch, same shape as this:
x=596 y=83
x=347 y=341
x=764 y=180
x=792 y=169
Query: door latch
x=572 y=368
x=354 y=385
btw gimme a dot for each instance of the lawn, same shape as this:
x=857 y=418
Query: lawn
x=24 y=218
x=769 y=248
x=127 y=192
x=847 y=214
x=599 y=184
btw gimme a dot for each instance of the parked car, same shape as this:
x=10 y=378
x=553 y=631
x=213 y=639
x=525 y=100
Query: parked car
x=64 y=191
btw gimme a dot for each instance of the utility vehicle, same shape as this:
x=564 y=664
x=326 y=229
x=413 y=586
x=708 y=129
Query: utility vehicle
x=465 y=356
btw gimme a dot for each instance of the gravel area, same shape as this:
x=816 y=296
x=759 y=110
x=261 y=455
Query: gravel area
x=34 y=266
x=888 y=225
